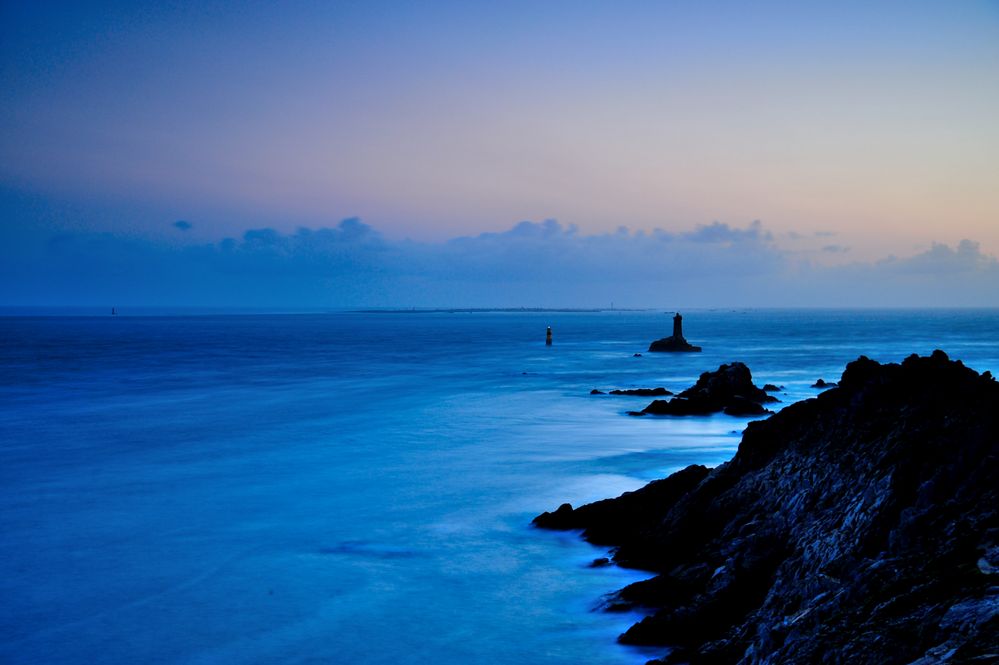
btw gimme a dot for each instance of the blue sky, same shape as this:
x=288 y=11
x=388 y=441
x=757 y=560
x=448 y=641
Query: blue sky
x=861 y=135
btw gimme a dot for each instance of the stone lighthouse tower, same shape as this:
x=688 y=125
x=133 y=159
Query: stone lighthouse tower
x=676 y=341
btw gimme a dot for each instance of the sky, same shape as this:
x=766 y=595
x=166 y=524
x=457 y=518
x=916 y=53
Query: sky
x=452 y=154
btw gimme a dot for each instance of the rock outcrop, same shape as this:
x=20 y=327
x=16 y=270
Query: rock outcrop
x=643 y=392
x=673 y=344
x=860 y=526
x=730 y=388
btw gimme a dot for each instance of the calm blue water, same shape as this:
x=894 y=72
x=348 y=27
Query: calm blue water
x=349 y=487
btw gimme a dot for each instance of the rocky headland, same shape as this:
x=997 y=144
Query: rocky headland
x=860 y=526
x=729 y=389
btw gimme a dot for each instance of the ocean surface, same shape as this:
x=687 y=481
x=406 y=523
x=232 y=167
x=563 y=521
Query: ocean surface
x=358 y=487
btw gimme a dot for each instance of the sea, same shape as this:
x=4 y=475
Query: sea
x=194 y=487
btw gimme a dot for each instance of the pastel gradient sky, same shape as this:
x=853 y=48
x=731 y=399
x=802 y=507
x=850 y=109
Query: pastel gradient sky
x=854 y=131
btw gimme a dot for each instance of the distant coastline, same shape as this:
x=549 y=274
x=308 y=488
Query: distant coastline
x=514 y=310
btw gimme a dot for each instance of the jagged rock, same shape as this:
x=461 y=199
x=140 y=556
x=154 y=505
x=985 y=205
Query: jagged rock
x=860 y=526
x=771 y=388
x=822 y=383
x=730 y=389
x=612 y=521
x=740 y=406
x=597 y=392
x=642 y=392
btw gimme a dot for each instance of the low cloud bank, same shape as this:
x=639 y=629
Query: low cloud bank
x=543 y=264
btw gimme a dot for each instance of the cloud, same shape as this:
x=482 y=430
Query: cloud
x=835 y=249
x=183 y=225
x=963 y=276
x=547 y=263
x=940 y=260
x=723 y=233
x=531 y=264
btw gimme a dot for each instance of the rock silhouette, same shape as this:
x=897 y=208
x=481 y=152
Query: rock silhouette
x=860 y=526
x=730 y=388
x=643 y=392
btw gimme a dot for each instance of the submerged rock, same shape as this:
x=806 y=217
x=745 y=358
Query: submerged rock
x=729 y=389
x=860 y=526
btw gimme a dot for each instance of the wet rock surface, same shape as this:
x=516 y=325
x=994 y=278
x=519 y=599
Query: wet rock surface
x=729 y=389
x=860 y=526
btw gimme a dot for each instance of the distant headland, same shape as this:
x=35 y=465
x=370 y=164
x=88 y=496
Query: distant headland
x=481 y=310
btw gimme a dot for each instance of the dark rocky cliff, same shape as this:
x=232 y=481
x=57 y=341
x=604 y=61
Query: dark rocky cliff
x=861 y=526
